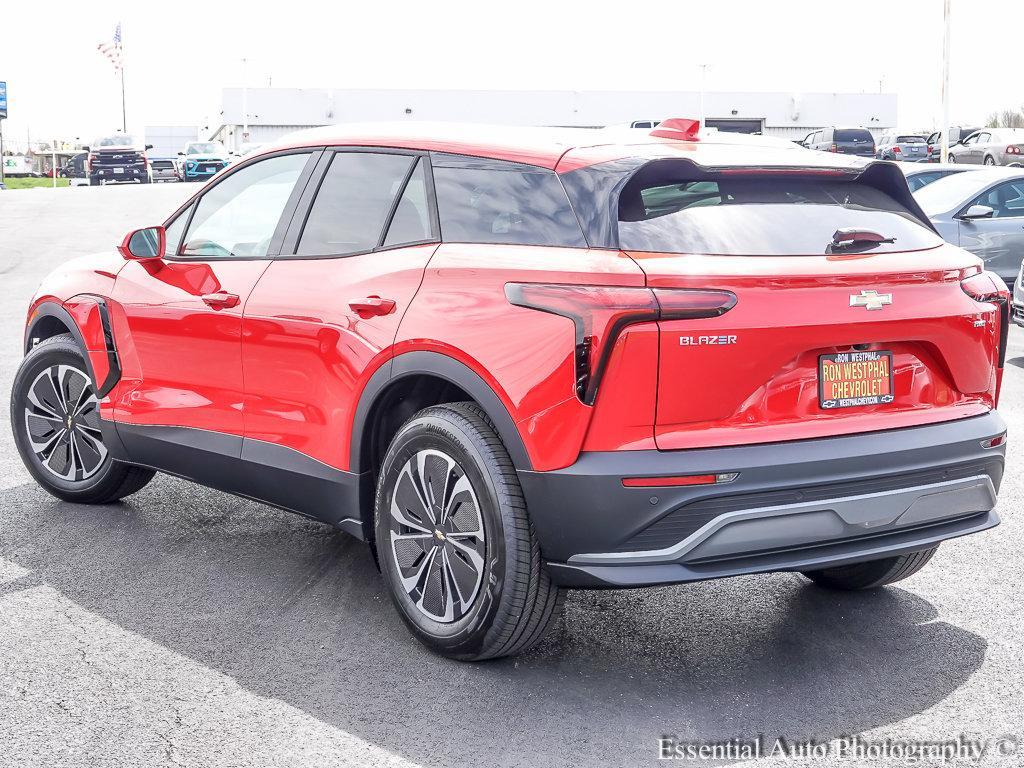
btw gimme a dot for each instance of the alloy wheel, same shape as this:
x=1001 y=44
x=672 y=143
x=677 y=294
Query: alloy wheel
x=62 y=423
x=438 y=540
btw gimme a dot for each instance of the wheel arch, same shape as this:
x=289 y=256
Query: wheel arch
x=433 y=373
x=51 y=318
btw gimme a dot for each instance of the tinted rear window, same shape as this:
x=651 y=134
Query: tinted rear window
x=858 y=135
x=504 y=203
x=910 y=140
x=761 y=216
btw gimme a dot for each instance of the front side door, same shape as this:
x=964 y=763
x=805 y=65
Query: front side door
x=998 y=240
x=178 y=320
x=324 y=316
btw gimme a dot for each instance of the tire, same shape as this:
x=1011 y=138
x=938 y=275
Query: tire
x=86 y=473
x=472 y=585
x=950 y=158
x=873 y=573
x=989 y=160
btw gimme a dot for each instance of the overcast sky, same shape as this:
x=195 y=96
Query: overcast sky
x=181 y=53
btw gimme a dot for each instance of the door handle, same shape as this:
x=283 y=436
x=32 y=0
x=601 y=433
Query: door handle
x=371 y=306
x=221 y=300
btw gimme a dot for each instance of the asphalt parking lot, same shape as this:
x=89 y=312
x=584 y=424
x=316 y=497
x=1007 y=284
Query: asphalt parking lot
x=188 y=627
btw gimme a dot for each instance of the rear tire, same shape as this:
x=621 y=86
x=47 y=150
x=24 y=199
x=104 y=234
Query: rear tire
x=455 y=542
x=55 y=418
x=872 y=574
x=990 y=160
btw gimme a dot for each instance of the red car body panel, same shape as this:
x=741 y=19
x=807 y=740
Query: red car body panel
x=524 y=355
x=181 y=358
x=308 y=355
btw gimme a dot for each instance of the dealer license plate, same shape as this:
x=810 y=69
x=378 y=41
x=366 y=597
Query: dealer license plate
x=853 y=379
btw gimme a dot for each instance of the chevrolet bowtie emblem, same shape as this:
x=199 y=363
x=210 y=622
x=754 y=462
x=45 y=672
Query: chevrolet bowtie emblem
x=871 y=299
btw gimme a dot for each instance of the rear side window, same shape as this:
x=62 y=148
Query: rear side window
x=760 y=216
x=353 y=203
x=494 y=202
x=855 y=135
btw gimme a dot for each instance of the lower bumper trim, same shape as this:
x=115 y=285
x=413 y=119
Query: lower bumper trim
x=807 y=558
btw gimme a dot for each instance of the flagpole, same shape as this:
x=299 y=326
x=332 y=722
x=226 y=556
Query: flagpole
x=120 y=44
x=124 y=119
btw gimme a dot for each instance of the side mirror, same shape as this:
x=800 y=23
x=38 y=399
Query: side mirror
x=182 y=154
x=977 y=212
x=144 y=244
x=149 y=146
x=85 y=149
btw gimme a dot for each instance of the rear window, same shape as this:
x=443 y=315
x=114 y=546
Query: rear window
x=911 y=140
x=761 y=216
x=495 y=202
x=856 y=135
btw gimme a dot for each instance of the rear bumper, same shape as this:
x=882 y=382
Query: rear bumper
x=794 y=506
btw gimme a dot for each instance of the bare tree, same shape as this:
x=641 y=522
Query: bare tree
x=1008 y=118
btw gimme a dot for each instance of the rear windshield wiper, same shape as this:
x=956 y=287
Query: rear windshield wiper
x=843 y=239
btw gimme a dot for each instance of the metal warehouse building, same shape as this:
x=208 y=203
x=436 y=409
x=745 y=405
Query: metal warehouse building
x=273 y=112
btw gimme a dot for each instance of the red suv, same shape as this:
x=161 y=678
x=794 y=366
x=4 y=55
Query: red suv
x=520 y=360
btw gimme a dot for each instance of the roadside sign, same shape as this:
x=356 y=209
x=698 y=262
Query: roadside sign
x=3 y=99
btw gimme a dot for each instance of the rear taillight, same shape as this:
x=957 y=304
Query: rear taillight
x=989 y=288
x=1013 y=150
x=833 y=148
x=897 y=151
x=599 y=314
x=91 y=160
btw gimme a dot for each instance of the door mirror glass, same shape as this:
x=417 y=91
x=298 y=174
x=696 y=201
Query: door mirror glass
x=977 y=212
x=143 y=244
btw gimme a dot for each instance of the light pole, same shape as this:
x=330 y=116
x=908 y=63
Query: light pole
x=703 y=78
x=245 y=106
x=944 y=136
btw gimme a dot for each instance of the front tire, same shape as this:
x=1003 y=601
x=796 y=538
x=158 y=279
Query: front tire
x=872 y=574
x=55 y=418
x=455 y=542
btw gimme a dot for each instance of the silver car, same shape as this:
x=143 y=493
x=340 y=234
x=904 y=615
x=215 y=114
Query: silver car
x=990 y=146
x=908 y=147
x=982 y=211
x=922 y=175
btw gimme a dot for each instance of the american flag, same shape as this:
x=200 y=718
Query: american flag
x=112 y=50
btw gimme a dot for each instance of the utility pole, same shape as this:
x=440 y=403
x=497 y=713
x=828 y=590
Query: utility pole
x=944 y=145
x=703 y=79
x=245 y=105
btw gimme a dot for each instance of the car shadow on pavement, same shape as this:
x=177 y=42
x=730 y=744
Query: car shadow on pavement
x=295 y=611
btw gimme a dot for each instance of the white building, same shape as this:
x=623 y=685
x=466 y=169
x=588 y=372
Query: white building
x=169 y=140
x=273 y=112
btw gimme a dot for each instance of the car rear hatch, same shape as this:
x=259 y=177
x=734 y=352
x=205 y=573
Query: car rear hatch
x=850 y=313
x=913 y=150
x=854 y=141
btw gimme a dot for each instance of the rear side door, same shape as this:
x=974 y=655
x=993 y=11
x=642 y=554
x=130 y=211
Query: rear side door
x=999 y=240
x=178 y=320
x=324 y=316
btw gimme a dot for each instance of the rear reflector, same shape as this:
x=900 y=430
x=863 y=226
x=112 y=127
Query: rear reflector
x=994 y=442
x=679 y=480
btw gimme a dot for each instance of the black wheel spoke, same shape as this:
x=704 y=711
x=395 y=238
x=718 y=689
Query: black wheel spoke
x=61 y=422
x=437 y=535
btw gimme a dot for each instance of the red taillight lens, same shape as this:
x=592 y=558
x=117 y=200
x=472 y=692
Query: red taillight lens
x=985 y=287
x=989 y=288
x=833 y=148
x=1013 y=150
x=600 y=312
x=897 y=151
x=91 y=160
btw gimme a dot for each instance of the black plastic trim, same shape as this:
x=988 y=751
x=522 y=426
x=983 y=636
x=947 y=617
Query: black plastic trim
x=451 y=370
x=253 y=469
